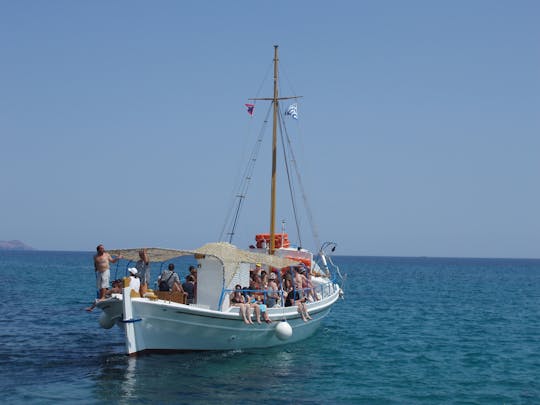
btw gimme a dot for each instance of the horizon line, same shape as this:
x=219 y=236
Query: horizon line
x=335 y=255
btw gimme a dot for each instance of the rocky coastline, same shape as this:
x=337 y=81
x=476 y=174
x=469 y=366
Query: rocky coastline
x=14 y=245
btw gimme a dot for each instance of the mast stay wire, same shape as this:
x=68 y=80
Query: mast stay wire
x=307 y=207
x=283 y=130
x=283 y=74
x=265 y=79
x=229 y=221
x=233 y=216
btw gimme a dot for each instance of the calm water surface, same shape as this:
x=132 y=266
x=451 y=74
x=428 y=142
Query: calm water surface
x=415 y=331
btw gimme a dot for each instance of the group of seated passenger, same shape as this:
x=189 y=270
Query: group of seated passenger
x=264 y=292
x=169 y=280
x=247 y=301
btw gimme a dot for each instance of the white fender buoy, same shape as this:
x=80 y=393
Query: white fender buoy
x=105 y=321
x=283 y=330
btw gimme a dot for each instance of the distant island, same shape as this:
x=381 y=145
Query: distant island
x=14 y=245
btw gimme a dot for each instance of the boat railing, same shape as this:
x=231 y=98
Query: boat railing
x=324 y=261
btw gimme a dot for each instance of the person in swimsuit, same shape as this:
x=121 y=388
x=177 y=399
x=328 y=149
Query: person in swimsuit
x=238 y=300
x=294 y=298
x=101 y=266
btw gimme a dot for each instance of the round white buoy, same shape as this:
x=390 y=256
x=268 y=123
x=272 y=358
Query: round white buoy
x=283 y=330
x=105 y=321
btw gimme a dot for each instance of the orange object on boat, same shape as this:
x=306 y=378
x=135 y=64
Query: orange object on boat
x=280 y=240
x=307 y=262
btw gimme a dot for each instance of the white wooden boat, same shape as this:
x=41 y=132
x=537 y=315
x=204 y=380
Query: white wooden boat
x=158 y=322
x=152 y=324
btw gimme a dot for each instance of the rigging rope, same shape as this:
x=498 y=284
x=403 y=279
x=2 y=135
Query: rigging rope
x=233 y=216
x=282 y=130
x=231 y=221
x=303 y=192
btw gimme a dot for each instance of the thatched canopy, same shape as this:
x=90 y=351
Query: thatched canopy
x=225 y=252
x=154 y=254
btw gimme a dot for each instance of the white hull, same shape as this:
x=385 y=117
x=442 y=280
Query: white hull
x=167 y=326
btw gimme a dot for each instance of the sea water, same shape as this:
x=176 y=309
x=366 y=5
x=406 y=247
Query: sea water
x=409 y=331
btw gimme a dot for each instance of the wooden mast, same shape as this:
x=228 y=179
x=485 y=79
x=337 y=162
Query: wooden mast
x=274 y=157
x=275 y=101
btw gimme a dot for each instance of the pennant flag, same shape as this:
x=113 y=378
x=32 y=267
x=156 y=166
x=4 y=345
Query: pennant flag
x=293 y=111
x=250 y=108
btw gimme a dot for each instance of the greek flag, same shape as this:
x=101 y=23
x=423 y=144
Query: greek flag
x=293 y=111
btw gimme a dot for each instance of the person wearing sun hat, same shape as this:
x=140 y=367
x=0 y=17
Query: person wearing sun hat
x=134 y=281
x=257 y=270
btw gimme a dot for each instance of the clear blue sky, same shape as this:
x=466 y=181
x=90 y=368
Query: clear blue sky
x=122 y=122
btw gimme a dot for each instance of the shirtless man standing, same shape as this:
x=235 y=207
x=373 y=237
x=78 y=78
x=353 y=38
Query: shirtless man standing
x=101 y=265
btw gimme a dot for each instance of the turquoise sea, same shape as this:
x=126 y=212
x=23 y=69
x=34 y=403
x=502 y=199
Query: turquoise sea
x=409 y=331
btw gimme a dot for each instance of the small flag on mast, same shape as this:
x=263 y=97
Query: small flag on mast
x=292 y=111
x=250 y=108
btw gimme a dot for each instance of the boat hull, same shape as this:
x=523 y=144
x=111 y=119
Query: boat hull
x=165 y=326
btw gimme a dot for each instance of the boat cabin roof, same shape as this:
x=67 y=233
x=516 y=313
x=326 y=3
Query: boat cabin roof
x=225 y=252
